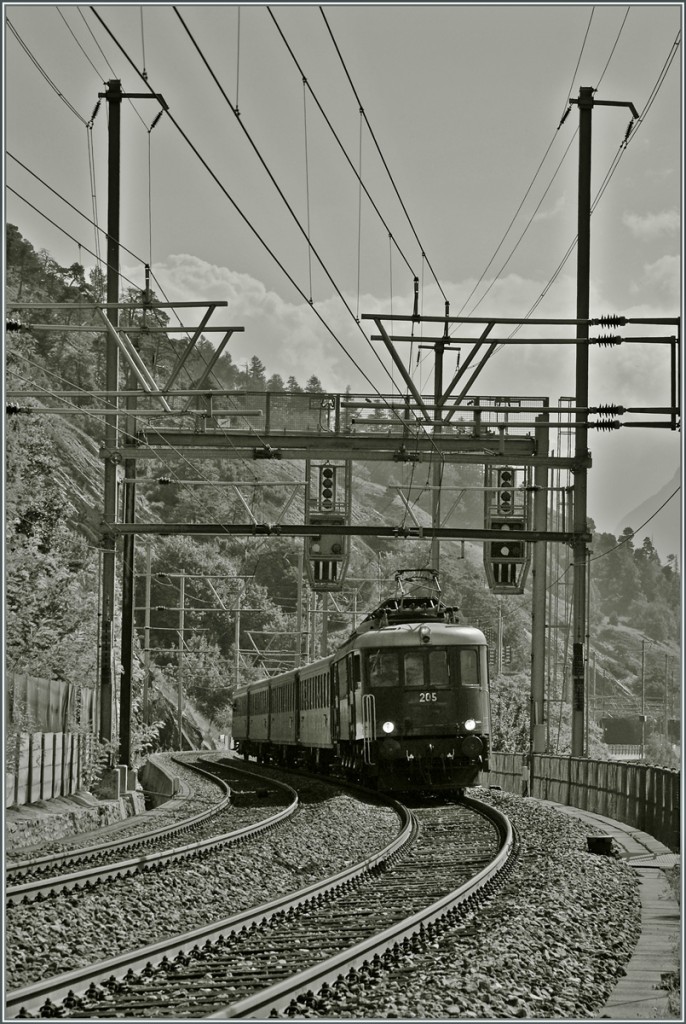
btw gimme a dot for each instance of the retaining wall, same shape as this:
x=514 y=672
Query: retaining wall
x=158 y=784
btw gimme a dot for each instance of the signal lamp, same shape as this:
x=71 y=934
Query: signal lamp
x=327 y=486
x=505 y=489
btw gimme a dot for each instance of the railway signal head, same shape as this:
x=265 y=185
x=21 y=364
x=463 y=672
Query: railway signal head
x=327 y=488
x=505 y=491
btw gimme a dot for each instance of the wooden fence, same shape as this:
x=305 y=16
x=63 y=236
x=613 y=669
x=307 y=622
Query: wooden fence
x=640 y=795
x=43 y=765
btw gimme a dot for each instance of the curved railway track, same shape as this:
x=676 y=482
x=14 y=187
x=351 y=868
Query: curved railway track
x=94 y=864
x=263 y=961
x=121 y=837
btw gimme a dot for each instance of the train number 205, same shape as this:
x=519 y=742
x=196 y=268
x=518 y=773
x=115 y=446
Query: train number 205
x=427 y=698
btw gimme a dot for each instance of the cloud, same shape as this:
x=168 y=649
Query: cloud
x=665 y=275
x=558 y=208
x=291 y=339
x=652 y=225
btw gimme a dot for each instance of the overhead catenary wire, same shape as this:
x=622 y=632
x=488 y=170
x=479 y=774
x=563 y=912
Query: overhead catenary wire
x=44 y=73
x=282 y=196
x=381 y=156
x=290 y=209
x=128 y=280
x=336 y=137
x=260 y=238
x=78 y=43
x=136 y=257
x=628 y=139
x=526 y=194
x=307 y=189
x=620 y=543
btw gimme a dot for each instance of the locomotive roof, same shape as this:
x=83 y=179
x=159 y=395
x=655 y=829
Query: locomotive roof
x=407 y=608
x=404 y=634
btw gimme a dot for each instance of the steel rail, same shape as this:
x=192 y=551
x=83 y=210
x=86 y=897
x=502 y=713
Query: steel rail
x=278 y=997
x=32 y=997
x=106 y=872
x=20 y=868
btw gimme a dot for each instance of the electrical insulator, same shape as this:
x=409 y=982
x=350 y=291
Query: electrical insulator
x=605 y=425
x=610 y=410
x=612 y=320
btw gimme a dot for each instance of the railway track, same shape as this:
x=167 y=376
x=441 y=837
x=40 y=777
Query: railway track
x=121 y=837
x=209 y=830
x=263 y=961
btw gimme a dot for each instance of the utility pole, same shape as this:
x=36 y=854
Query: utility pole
x=585 y=102
x=439 y=349
x=299 y=609
x=237 y=638
x=325 y=625
x=179 y=699
x=539 y=713
x=113 y=97
x=146 y=636
x=643 y=698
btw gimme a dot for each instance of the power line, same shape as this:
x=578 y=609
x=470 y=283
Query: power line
x=383 y=160
x=628 y=138
x=265 y=245
x=536 y=173
x=638 y=529
x=43 y=72
x=331 y=128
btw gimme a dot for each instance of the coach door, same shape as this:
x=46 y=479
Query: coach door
x=355 y=696
x=368 y=726
x=340 y=695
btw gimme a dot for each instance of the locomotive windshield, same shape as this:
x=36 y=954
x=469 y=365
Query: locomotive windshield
x=436 y=668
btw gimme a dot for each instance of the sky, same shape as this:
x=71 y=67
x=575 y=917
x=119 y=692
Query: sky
x=451 y=116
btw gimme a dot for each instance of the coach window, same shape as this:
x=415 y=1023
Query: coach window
x=342 y=674
x=469 y=667
x=383 y=668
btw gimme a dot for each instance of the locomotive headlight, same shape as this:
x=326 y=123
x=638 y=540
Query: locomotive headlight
x=424 y=634
x=470 y=725
x=388 y=727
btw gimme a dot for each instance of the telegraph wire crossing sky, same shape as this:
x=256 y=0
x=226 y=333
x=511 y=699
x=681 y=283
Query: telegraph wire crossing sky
x=334 y=154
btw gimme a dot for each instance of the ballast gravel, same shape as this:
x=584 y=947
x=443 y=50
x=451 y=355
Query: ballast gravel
x=329 y=832
x=551 y=944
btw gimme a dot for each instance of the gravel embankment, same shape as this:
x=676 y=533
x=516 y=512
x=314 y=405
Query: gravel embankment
x=552 y=944
x=329 y=832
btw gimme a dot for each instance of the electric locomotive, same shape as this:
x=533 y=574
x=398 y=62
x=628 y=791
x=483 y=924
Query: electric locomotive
x=402 y=704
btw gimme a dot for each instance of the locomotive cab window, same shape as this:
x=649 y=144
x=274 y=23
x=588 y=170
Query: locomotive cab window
x=383 y=668
x=469 y=667
x=427 y=669
x=414 y=670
